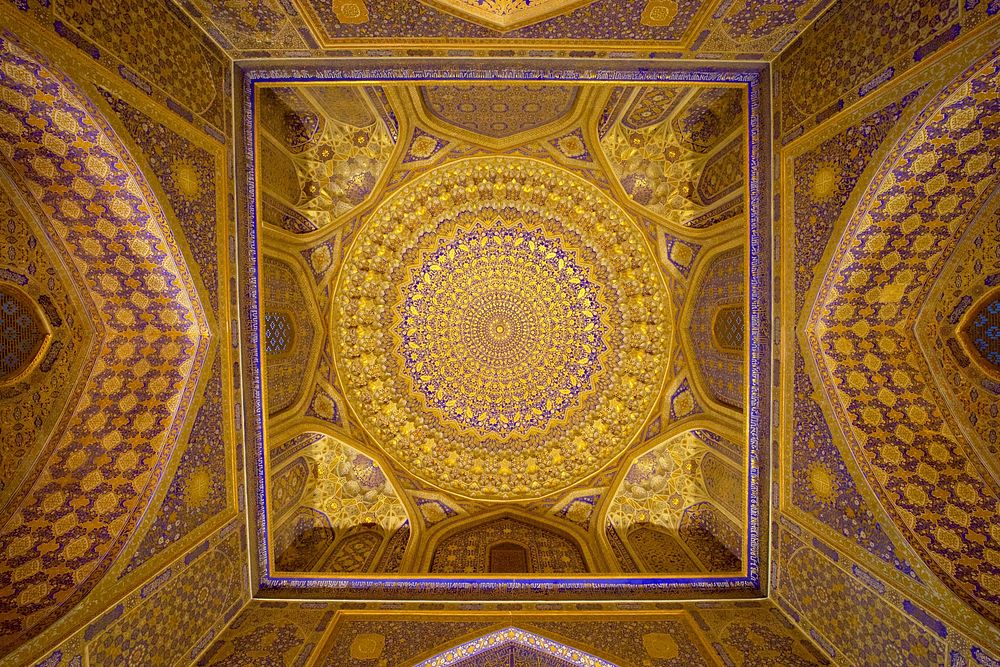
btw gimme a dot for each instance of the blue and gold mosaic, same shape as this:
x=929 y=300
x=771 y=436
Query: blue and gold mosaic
x=984 y=331
x=886 y=532
x=502 y=329
x=473 y=385
x=22 y=333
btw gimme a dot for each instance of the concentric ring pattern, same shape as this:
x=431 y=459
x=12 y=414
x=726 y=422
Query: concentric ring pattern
x=501 y=328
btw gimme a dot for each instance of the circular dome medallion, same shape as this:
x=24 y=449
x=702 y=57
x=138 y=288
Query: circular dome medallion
x=501 y=328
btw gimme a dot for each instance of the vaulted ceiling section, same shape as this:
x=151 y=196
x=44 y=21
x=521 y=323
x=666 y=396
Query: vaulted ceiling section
x=481 y=332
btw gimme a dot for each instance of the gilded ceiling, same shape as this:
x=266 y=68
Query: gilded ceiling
x=745 y=29
x=527 y=322
x=331 y=328
x=503 y=15
x=496 y=338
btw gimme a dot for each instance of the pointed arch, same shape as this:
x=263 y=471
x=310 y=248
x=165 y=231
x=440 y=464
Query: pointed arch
x=555 y=653
x=103 y=215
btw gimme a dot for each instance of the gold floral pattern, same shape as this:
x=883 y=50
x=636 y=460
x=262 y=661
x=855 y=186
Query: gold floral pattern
x=488 y=322
x=419 y=347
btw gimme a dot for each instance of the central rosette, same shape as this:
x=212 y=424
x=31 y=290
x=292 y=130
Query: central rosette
x=501 y=328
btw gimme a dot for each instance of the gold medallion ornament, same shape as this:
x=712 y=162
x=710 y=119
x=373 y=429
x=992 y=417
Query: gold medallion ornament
x=501 y=328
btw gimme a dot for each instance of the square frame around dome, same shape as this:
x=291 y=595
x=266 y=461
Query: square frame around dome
x=757 y=413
